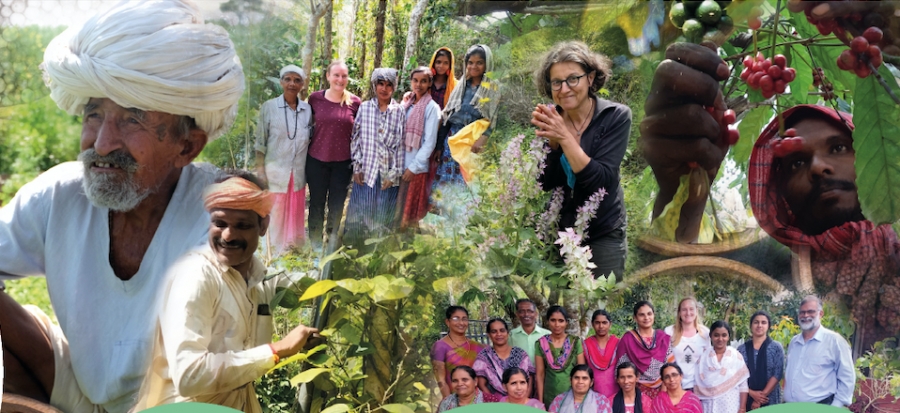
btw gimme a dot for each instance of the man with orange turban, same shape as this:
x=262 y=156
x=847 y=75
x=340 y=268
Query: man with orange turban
x=215 y=329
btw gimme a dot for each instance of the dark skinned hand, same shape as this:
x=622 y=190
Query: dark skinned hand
x=677 y=131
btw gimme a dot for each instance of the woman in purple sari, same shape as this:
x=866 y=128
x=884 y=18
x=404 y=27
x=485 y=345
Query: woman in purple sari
x=647 y=348
x=493 y=361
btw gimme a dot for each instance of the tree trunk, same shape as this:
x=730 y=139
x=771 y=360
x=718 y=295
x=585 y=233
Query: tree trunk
x=412 y=35
x=317 y=9
x=364 y=37
x=329 y=19
x=351 y=36
x=380 y=15
x=380 y=366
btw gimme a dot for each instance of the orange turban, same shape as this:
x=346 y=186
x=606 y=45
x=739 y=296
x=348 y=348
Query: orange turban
x=238 y=193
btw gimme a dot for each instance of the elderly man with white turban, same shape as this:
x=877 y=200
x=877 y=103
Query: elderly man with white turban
x=282 y=143
x=154 y=84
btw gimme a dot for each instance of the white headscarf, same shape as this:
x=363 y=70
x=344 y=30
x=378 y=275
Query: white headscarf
x=155 y=55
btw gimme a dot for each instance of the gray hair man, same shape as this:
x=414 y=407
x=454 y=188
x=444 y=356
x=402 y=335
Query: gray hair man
x=154 y=84
x=819 y=365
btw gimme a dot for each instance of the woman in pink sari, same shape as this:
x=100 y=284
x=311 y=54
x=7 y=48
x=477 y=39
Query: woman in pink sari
x=454 y=350
x=647 y=348
x=675 y=399
x=600 y=354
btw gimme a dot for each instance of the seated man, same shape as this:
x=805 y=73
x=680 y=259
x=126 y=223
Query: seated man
x=105 y=229
x=215 y=327
x=805 y=197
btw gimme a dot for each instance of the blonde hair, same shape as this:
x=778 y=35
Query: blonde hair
x=678 y=329
x=347 y=97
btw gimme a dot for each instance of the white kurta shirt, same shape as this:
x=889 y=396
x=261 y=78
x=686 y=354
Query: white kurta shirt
x=282 y=134
x=212 y=343
x=50 y=228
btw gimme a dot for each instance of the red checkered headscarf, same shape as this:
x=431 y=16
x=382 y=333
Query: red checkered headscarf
x=858 y=259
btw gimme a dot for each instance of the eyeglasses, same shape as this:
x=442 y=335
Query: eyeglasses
x=458 y=319
x=572 y=81
x=807 y=312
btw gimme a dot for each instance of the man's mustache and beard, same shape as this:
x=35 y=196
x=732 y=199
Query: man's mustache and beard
x=837 y=216
x=809 y=323
x=116 y=191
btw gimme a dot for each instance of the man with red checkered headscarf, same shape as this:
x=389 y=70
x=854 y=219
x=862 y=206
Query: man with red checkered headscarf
x=808 y=197
x=805 y=196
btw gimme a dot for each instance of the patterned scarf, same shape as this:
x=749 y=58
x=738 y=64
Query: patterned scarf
x=590 y=401
x=452 y=401
x=496 y=366
x=487 y=97
x=864 y=254
x=559 y=363
x=415 y=123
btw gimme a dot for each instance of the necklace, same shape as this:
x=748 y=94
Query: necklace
x=286 y=126
x=454 y=341
x=580 y=129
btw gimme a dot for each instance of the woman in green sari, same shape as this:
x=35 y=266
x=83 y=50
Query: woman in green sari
x=554 y=356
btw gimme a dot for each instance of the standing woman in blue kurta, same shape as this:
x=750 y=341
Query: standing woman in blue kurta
x=472 y=99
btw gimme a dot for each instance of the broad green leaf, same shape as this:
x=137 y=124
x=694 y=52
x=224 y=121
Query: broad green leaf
x=329 y=258
x=351 y=333
x=445 y=285
x=355 y=286
x=750 y=127
x=299 y=357
x=336 y=408
x=876 y=141
x=397 y=408
x=308 y=375
x=420 y=386
x=387 y=288
x=800 y=85
x=402 y=255
x=317 y=289
x=288 y=298
x=277 y=299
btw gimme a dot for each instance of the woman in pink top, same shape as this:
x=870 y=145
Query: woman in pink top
x=328 y=169
x=600 y=354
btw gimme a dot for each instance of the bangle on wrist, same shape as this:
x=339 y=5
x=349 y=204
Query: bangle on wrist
x=274 y=353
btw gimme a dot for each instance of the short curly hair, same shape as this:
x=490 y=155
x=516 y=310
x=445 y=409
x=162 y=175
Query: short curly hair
x=577 y=52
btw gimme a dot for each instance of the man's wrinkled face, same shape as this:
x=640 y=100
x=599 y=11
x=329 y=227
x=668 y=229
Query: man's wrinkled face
x=384 y=90
x=234 y=235
x=127 y=153
x=819 y=181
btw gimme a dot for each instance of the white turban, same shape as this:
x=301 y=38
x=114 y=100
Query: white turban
x=153 y=55
x=292 y=69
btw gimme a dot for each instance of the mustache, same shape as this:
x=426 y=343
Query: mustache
x=117 y=158
x=230 y=244
x=824 y=185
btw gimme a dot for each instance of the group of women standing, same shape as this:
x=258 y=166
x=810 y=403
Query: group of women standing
x=684 y=368
x=394 y=153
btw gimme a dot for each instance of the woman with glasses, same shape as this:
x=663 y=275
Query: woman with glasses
x=675 y=399
x=765 y=360
x=465 y=392
x=555 y=355
x=491 y=362
x=646 y=348
x=587 y=137
x=580 y=398
x=721 y=382
x=454 y=350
